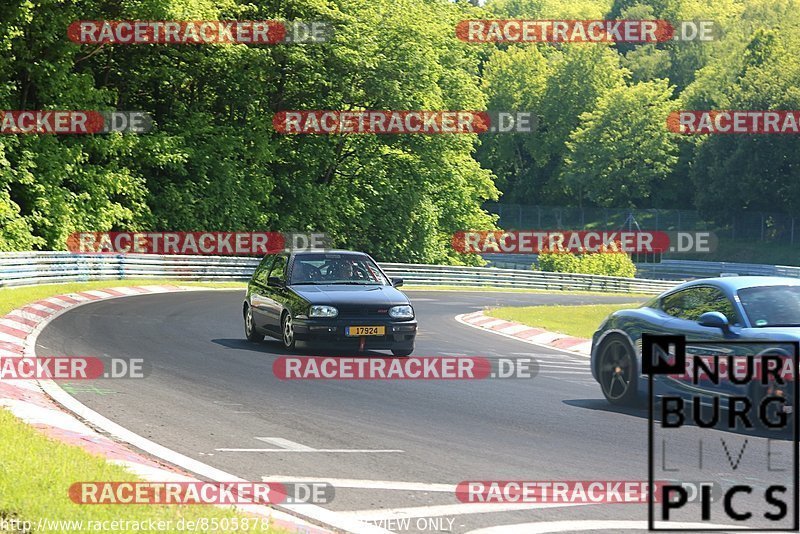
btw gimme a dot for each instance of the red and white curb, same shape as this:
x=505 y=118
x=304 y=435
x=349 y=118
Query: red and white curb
x=528 y=334
x=45 y=406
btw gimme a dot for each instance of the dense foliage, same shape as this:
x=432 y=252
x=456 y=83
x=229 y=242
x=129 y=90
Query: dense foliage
x=604 y=263
x=213 y=161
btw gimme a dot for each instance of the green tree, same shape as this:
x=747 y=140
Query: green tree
x=623 y=149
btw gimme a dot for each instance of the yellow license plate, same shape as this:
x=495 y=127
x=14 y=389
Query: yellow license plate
x=357 y=331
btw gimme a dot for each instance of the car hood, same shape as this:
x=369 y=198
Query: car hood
x=350 y=294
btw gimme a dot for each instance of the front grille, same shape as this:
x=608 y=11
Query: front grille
x=363 y=311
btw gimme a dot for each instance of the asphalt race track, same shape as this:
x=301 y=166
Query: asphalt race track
x=210 y=389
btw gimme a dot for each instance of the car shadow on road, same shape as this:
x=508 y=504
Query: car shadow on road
x=274 y=347
x=603 y=406
x=643 y=413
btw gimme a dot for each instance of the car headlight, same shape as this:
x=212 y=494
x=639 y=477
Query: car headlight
x=323 y=311
x=401 y=312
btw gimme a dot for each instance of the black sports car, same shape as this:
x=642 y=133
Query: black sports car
x=340 y=298
x=715 y=311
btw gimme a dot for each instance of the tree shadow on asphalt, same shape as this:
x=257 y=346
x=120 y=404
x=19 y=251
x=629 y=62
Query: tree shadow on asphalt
x=642 y=412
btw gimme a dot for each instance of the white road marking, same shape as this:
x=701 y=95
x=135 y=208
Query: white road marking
x=97 y=293
x=546 y=337
x=545 y=527
x=312 y=450
x=128 y=291
x=34 y=414
x=367 y=484
x=41 y=307
x=23 y=315
x=58 y=302
x=559 y=372
x=493 y=323
x=513 y=329
x=152 y=473
x=11 y=323
x=292 y=446
x=8 y=338
x=449 y=509
x=286 y=444
x=563 y=365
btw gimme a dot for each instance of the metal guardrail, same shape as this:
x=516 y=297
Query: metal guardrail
x=30 y=268
x=685 y=269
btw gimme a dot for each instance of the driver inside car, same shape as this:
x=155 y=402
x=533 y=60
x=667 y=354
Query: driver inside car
x=340 y=270
x=308 y=273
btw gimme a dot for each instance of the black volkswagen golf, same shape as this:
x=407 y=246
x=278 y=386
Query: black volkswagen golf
x=340 y=298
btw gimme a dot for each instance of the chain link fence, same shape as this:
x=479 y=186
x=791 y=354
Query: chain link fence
x=754 y=226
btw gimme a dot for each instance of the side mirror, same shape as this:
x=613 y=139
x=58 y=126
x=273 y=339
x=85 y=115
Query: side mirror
x=714 y=320
x=275 y=281
x=397 y=282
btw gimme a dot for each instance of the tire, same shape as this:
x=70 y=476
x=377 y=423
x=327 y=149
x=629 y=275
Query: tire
x=402 y=353
x=287 y=331
x=249 y=326
x=618 y=372
x=758 y=392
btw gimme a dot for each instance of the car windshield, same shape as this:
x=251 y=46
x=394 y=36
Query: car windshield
x=771 y=305
x=329 y=268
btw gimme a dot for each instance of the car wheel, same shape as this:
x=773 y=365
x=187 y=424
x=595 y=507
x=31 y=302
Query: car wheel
x=617 y=371
x=287 y=329
x=759 y=391
x=250 y=327
x=402 y=352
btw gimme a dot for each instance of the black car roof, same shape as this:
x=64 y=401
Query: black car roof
x=327 y=251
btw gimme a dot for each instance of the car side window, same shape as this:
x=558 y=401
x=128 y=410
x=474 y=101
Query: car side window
x=279 y=267
x=691 y=303
x=263 y=268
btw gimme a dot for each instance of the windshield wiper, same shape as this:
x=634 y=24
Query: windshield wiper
x=780 y=325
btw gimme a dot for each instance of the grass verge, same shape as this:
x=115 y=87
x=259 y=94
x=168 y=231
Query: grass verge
x=578 y=321
x=36 y=473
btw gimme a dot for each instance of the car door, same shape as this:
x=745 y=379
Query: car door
x=258 y=291
x=686 y=307
x=276 y=293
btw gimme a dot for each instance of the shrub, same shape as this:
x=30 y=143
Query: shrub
x=604 y=263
